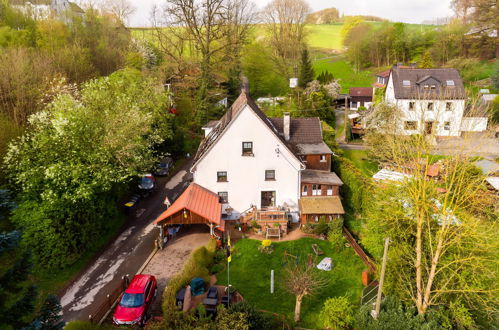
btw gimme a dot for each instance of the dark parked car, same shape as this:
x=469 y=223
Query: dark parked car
x=147 y=184
x=136 y=300
x=164 y=166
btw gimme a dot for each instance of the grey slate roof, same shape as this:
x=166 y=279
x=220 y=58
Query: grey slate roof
x=419 y=77
x=320 y=177
x=312 y=149
x=302 y=130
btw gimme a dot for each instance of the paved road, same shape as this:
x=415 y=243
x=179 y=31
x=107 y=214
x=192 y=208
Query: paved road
x=123 y=256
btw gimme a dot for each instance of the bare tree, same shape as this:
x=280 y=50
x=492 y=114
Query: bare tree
x=302 y=281
x=286 y=23
x=203 y=30
x=122 y=9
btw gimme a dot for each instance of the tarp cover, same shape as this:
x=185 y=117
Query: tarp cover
x=197 y=286
x=325 y=264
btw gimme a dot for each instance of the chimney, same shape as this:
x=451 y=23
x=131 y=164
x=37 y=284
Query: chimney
x=286 y=124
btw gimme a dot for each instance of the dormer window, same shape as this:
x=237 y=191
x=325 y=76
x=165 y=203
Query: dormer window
x=450 y=83
x=406 y=83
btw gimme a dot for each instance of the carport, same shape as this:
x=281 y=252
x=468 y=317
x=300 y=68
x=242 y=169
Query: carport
x=196 y=205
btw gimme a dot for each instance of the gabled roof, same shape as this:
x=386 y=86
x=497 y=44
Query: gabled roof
x=198 y=200
x=384 y=74
x=361 y=91
x=239 y=104
x=416 y=89
x=301 y=130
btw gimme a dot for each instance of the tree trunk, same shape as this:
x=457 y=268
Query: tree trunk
x=419 y=278
x=298 y=307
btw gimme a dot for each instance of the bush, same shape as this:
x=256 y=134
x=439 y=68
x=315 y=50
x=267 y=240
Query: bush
x=335 y=234
x=337 y=313
x=357 y=188
x=321 y=227
x=85 y=325
x=217 y=268
x=256 y=320
x=229 y=320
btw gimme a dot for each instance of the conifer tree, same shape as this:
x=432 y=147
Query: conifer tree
x=306 y=70
x=427 y=61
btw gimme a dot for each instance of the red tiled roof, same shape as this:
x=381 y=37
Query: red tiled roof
x=433 y=170
x=361 y=91
x=384 y=74
x=198 y=200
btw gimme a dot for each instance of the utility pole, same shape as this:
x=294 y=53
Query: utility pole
x=381 y=279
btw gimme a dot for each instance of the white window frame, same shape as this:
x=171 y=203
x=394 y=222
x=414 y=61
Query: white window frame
x=329 y=190
x=323 y=158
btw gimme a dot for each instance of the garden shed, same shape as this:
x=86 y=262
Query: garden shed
x=315 y=209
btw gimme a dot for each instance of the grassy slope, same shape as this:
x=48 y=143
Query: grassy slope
x=360 y=160
x=324 y=36
x=250 y=274
x=342 y=70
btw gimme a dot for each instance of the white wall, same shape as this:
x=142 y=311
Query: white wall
x=246 y=174
x=439 y=115
x=474 y=124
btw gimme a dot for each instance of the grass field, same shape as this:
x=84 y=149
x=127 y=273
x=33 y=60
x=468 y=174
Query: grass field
x=250 y=275
x=325 y=36
x=342 y=70
x=359 y=159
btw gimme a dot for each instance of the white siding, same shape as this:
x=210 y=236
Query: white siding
x=474 y=124
x=439 y=115
x=246 y=174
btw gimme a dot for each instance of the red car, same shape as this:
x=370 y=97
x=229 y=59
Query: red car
x=136 y=300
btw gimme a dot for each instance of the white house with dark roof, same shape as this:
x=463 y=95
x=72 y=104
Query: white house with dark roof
x=255 y=162
x=432 y=101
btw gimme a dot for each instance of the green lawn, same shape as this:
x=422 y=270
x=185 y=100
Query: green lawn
x=325 y=36
x=359 y=158
x=342 y=70
x=250 y=275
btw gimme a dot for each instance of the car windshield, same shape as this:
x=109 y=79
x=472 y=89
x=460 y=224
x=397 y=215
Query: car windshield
x=146 y=181
x=132 y=300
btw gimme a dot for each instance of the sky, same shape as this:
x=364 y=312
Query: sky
x=408 y=11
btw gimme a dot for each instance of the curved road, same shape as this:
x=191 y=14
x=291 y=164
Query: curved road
x=123 y=256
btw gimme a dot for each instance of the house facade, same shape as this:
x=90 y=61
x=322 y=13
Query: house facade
x=258 y=163
x=432 y=101
x=45 y=9
x=360 y=97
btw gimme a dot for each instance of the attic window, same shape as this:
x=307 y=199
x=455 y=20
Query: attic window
x=450 y=83
x=406 y=83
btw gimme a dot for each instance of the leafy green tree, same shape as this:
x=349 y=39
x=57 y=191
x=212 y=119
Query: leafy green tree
x=306 y=70
x=349 y=23
x=426 y=61
x=337 y=313
x=78 y=153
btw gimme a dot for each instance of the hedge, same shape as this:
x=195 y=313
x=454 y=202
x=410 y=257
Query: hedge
x=357 y=188
x=197 y=265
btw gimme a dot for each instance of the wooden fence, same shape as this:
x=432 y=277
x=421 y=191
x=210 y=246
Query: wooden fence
x=102 y=311
x=367 y=261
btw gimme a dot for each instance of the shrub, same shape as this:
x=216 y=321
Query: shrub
x=256 y=320
x=337 y=313
x=217 y=268
x=335 y=234
x=321 y=227
x=228 y=320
